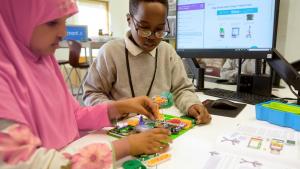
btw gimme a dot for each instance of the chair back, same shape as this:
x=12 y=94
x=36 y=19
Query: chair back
x=74 y=52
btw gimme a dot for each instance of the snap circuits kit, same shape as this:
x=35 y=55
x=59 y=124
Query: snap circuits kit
x=137 y=124
x=177 y=126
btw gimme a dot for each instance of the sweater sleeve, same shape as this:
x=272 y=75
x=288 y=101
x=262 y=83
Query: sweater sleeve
x=92 y=117
x=99 y=79
x=20 y=148
x=182 y=87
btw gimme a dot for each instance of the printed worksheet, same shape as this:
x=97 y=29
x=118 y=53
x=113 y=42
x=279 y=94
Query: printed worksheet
x=256 y=145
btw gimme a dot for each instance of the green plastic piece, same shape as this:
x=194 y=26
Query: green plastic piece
x=189 y=118
x=170 y=101
x=290 y=142
x=147 y=157
x=283 y=107
x=133 y=164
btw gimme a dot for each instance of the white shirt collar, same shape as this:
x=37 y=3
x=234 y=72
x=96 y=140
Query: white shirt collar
x=134 y=49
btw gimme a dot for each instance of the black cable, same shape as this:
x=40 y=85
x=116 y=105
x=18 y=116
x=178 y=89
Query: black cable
x=294 y=92
x=129 y=74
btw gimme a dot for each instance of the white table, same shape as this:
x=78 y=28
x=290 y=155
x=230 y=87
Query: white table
x=90 y=45
x=188 y=151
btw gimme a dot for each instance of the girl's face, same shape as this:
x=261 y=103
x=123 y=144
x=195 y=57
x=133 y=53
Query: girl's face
x=45 y=37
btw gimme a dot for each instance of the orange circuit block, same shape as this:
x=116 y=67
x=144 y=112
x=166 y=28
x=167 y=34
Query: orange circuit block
x=133 y=122
x=160 y=116
x=157 y=160
x=187 y=123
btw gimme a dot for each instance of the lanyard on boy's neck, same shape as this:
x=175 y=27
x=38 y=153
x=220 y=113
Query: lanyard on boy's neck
x=129 y=74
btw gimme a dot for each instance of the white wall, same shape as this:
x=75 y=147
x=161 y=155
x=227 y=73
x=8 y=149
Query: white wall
x=288 y=36
x=282 y=26
x=118 y=10
x=288 y=40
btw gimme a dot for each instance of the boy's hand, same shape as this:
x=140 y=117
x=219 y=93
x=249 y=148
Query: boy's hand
x=152 y=141
x=141 y=105
x=200 y=113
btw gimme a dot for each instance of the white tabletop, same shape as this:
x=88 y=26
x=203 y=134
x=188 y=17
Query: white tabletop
x=190 y=149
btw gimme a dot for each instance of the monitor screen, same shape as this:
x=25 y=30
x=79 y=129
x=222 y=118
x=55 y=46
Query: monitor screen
x=226 y=28
x=77 y=32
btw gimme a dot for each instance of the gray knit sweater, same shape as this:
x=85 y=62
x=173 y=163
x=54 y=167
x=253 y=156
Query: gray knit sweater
x=107 y=78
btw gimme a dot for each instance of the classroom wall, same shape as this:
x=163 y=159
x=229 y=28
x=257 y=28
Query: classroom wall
x=288 y=41
x=117 y=14
x=282 y=26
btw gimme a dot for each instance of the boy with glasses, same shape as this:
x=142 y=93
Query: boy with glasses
x=142 y=64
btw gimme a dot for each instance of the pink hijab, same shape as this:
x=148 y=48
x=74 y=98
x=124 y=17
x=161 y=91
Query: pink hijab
x=32 y=89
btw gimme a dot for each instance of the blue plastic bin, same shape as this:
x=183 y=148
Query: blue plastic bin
x=281 y=118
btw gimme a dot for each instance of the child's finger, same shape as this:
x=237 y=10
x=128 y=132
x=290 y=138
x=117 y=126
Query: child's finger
x=161 y=131
x=153 y=107
x=145 y=112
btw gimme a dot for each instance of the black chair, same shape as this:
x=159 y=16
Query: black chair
x=63 y=63
x=74 y=56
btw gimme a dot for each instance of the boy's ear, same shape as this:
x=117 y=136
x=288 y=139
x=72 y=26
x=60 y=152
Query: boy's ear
x=128 y=19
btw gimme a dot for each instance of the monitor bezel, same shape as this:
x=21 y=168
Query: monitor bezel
x=230 y=53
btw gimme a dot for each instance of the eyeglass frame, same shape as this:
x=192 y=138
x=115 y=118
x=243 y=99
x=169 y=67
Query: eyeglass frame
x=138 y=29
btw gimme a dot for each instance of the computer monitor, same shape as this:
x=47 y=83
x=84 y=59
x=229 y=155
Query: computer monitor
x=226 y=28
x=77 y=32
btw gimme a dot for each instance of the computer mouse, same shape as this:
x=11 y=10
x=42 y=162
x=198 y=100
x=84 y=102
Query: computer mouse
x=223 y=104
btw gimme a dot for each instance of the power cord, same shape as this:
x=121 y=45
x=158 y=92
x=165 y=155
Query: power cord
x=294 y=92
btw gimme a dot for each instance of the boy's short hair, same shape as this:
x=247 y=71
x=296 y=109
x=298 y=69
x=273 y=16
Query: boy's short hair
x=133 y=4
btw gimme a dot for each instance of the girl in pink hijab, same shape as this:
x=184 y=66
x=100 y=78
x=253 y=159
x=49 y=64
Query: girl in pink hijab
x=38 y=115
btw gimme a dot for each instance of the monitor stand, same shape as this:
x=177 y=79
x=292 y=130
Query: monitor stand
x=276 y=81
x=198 y=70
x=258 y=83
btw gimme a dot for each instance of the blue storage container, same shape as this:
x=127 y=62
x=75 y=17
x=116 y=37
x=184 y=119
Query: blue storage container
x=281 y=118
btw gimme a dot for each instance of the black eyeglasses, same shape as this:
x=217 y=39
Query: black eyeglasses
x=146 y=32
